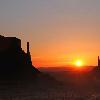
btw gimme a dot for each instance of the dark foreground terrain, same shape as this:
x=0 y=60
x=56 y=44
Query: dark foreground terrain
x=52 y=86
x=77 y=85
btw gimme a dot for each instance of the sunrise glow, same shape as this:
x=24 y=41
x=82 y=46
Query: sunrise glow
x=79 y=63
x=59 y=31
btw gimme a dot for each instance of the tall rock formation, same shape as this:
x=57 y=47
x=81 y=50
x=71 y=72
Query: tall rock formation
x=14 y=62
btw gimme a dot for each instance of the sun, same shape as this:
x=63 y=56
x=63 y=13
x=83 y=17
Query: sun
x=79 y=63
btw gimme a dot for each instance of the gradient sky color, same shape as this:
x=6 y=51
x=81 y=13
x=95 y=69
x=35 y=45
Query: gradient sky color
x=59 y=31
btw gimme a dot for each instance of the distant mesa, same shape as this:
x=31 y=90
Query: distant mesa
x=14 y=62
x=97 y=68
x=98 y=63
x=96 y=71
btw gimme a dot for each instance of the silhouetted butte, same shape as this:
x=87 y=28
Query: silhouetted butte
x=14 y=62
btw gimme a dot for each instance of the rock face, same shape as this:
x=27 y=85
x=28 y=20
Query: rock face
x=14 y=62
x=96 y=70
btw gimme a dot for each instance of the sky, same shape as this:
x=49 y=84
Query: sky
x=59 y=31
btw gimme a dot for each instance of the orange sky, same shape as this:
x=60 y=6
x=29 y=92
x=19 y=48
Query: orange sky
x=59 y=31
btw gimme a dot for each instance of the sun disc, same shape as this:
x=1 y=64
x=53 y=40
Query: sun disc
x=78 y=63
